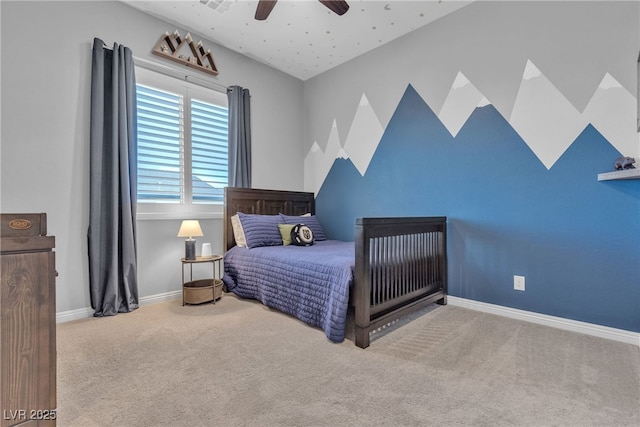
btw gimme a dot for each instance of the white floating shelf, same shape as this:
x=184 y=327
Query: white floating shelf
x=621 y=174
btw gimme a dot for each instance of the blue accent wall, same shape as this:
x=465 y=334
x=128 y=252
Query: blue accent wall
x=575 y=239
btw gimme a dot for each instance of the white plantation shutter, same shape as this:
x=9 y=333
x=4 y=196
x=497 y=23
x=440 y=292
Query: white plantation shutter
x=209 y=129
x=160 y=136
x=182 y=144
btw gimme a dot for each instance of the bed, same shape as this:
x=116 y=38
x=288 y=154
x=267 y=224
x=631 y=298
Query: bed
x=394 y=267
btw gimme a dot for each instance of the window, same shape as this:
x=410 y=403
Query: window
x=182 y=146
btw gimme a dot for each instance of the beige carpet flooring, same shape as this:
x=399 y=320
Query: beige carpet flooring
x=238 y=363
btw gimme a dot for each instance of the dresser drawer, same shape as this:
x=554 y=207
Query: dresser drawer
x=23 y=225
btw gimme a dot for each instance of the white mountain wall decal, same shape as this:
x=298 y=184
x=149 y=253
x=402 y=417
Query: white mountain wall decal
x=611 y=111
x=364 y=136
x=543 y=117
x=462 y=100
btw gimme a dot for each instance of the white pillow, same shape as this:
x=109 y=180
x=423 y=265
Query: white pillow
x=238 y=232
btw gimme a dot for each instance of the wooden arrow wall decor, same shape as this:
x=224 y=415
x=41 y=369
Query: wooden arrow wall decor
x=174 y=47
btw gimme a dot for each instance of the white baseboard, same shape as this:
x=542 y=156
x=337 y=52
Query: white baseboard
x=166 y=296
x=69 y=315
x=543 y=319
x=84 y=313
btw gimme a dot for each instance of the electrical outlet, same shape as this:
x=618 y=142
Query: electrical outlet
x=518 y=283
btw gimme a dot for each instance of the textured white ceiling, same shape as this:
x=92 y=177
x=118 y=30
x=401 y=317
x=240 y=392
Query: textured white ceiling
x=301 y=37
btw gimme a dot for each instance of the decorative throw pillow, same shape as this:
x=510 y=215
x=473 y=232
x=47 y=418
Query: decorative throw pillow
x=301 y=235
x=285 y=233
x=261 y=230
x=238 y=233
x=310 y=221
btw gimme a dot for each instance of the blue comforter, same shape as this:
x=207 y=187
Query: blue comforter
x=309 y=282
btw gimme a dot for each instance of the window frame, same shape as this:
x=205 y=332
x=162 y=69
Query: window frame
x=185 y=209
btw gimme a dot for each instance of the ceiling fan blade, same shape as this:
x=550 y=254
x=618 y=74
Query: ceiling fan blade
x=338 y=6
x=264 y=9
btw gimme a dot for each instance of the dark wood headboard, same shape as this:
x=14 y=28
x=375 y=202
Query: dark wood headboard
x=264 y=202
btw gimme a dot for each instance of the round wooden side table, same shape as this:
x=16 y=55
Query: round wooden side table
x=203 y=290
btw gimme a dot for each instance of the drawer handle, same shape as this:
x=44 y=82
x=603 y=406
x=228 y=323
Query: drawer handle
x=20 y=224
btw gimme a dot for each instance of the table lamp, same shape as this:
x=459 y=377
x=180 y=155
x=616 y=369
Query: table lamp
x=189 y=229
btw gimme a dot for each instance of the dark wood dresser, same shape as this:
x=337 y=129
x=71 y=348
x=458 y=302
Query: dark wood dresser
x=27 y=321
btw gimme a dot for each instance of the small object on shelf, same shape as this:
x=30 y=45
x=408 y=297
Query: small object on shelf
x=206 y=250
x=624 y=163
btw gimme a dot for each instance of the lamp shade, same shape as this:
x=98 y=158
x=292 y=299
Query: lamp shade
x=190 y=228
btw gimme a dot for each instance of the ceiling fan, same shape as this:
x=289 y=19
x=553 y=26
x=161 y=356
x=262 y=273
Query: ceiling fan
x=266 y=6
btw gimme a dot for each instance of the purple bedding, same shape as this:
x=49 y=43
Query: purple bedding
x=308 y=282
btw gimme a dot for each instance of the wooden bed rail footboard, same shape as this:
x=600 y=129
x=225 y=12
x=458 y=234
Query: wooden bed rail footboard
x=400 y=266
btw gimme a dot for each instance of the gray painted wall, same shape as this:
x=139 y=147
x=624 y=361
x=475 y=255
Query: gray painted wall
x=45 y=78
x=490 y=42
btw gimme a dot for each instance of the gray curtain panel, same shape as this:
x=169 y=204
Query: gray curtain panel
x=239 y=137
x=113 y=181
